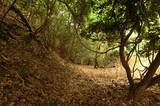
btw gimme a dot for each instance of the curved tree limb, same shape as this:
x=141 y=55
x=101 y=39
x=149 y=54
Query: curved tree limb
x=97 y=51
x=123 y=59
x=80 y=40
x=32 y=35
x=152 y=69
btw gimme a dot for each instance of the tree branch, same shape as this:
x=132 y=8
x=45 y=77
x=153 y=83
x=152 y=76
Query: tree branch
x=124 y=61
x=154 y=80
x=147 y=80
x=19 y=13
x=9 y=9
x=32 y=35
x=95 y=50
x=130 y=33
x=80 y=40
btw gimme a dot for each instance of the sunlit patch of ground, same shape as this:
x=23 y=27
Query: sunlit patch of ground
x=99 y=75
x=103 y=75
x=109 y=74
x=139 y=66
x=104 y=86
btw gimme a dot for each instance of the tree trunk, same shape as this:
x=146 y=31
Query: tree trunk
x=147 y=81
x=125 y=65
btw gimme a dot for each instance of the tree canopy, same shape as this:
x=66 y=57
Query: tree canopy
x=129 y=28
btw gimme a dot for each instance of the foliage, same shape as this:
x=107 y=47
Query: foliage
x=134 y=26
x=131 y=25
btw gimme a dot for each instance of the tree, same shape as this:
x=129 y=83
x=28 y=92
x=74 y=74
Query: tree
x=133 y=26
x=124 y=18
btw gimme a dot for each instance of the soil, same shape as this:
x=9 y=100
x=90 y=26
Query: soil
x=30 y=75
x=33 y=76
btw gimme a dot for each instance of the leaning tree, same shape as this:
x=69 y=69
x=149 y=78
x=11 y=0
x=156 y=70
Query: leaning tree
x=131 y=25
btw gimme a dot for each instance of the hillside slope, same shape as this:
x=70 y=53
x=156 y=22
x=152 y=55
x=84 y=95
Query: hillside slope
x=30 y=78
x=31 y=75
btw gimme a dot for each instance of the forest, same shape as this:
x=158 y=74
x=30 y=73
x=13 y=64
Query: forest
x=79 y=52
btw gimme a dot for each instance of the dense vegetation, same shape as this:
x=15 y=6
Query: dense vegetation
x=92 y=32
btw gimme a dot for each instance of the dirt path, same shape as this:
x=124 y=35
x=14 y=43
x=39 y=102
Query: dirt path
x=35 y=79
x=104 y=87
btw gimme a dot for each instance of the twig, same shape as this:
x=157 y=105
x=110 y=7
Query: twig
x=131 y=53
x=3 y=67
x=134 y=66
x=133 y=49
x=95 y=50
x=80 y=40
x=140 y=59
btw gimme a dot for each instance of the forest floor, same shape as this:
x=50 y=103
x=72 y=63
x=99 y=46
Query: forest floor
x=32 y=76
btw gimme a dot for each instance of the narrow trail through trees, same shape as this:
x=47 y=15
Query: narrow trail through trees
x=105 y=85
x=99 y=75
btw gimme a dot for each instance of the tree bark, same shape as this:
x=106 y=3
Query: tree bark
x=124 y=62
x=123 y=59
x=126 y=66
x=147 y=81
